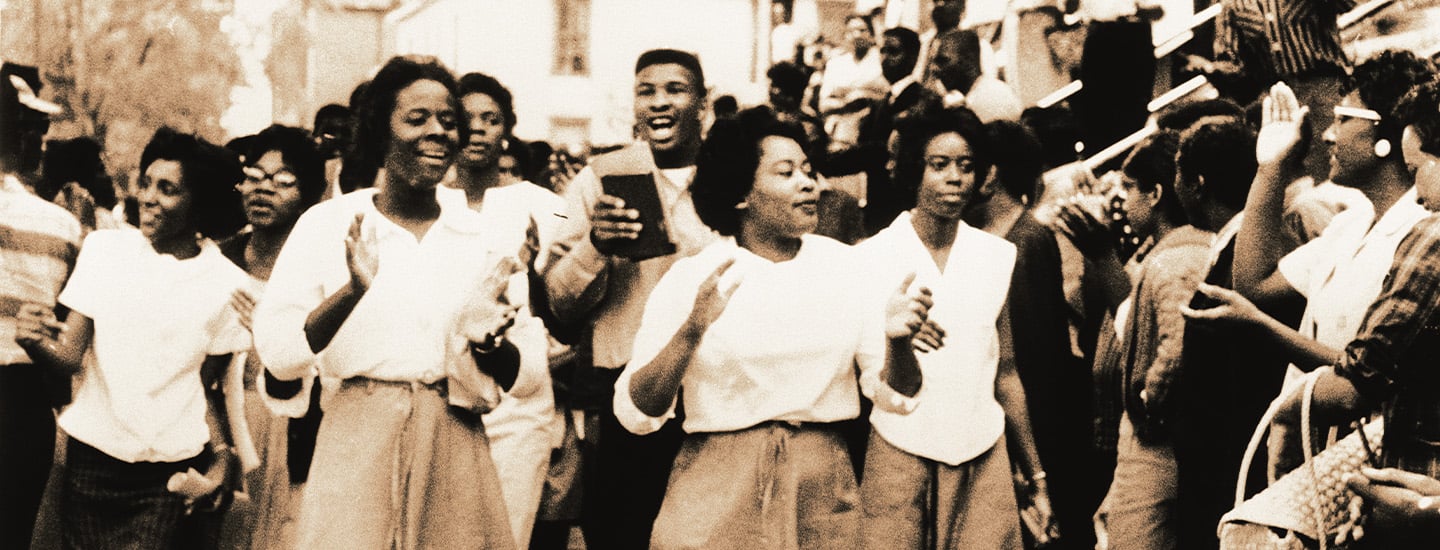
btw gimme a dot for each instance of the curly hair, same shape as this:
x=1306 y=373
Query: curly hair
x=928 y=121
x=481 y=83
x=1383 y=79
x=1224 y=155
x=372 y=133
x=209 y=171
x=1420 y=109
x=1017 y=155
x=728 y=158
x=298 y=152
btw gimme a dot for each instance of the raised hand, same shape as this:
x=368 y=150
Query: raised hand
x=1088 y=233
x=1231 y=308
x=36 y=327
x=244 y=304
x=906 y=313
x=710 y=300
x=609 y=220
x=488 y=314
x=361 y=257
x=1280 y=126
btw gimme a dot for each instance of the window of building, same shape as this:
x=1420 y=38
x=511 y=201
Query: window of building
x=572 y=37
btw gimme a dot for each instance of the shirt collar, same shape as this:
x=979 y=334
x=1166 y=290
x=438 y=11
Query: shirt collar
x=1401 y=215
x=900 y=85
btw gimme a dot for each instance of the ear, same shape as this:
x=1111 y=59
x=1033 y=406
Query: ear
x=742 y=205
x=1156 y=195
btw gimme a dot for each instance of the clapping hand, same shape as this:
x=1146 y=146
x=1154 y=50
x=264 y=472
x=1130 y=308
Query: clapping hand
x=361 y=257
x=1280 y=127
x=907 y=316
x=244 y=304
x=710 y=300
x=488 y=314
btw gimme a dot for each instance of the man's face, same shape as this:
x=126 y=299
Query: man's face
x=946 y=13
x=951 y=66
x=667 y=107
x=860 y=36
x=895 y=62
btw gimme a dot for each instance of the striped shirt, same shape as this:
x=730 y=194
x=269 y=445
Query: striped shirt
x=1276 y=39
x=38 y=244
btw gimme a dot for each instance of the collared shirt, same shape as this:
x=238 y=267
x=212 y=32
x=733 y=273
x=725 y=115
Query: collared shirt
x=843 y=73
x=1342 y=270
x=405 y=327
x=38 y=244
x=608 y=293
x=785 y=348
x=957 y=416
x=1282 y=38
x=156 y=318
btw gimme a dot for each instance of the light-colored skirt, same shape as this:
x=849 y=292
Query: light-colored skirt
x=397 y=468
x=772 y=486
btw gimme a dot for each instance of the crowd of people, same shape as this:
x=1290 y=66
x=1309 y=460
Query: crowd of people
x=866 y=314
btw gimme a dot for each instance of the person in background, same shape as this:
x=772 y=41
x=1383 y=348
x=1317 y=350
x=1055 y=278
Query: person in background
x=602 y=296
x=852 y=73
x=73 y=171
x=763 y=464
x=334 y=126
x=146 y=415
x=524 y=426
x=956 y=75
x=940 y=475
x=284 y=176
x=40 y=245
x=404 y=297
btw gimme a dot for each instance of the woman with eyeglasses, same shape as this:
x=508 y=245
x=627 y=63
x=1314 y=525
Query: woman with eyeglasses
x=401 y=297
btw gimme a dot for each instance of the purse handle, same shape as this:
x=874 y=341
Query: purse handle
x=1307 y=386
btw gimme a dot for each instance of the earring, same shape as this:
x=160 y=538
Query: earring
x=742 y=205
x=1382 y=148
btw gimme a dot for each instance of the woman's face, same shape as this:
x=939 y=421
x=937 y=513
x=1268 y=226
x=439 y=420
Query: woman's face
x=165 y=202
x=950 y=180
x=1140 y=207
x=270 y=192
x=784 y=199
x=423 y=134
x=487 y=128
x=1352 y=144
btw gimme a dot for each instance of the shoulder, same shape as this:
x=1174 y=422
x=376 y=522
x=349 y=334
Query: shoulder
x=107 y=239
x=49 y=218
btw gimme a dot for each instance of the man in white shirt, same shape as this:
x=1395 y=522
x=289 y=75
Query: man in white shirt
x=956 y=65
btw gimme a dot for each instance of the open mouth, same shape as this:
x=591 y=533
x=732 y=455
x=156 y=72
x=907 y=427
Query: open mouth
x=661 y=127
x=808 y=206
x=434 y=155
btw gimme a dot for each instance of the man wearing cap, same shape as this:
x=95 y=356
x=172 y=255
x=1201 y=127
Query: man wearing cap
x=38 y=244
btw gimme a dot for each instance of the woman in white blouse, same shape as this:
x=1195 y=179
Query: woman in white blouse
x=767 y=364
x=399 y=295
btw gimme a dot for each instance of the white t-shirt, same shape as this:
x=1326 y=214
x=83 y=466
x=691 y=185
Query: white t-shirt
x=785 y=348
x=957 y=416
x=156 y=318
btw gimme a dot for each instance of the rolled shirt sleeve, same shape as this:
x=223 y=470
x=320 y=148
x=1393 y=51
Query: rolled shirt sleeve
x=296 y=287
x=575 y=270
x=871 y=354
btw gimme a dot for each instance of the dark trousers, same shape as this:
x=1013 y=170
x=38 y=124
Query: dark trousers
x=625 y=478
x=27 y=448
x=1118 y=68
x=109 y=503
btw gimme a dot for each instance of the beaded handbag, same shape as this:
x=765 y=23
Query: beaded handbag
x=1309 y=507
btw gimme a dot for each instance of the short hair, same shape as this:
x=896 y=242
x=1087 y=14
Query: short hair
x=725 y=106
x=1224 y=154
x=1183 y=115
x=210 y=173
x=332 y=110
x=666 y=56
x=908 y=39
x=789 y=77
x=298 y=152
x=1152 y=164
x=538 y=171
x=1382 y=80
x=372 y=134
x=1420 y=109
x=1016 y=152
x=77 y=160
x=481 y=83
x=725 y=167
x=928 y=121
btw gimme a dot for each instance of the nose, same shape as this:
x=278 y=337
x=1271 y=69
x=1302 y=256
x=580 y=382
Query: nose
x=661 y=101
x=1329 y=135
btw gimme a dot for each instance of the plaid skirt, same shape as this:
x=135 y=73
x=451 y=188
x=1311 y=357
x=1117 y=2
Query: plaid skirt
x=776 y=485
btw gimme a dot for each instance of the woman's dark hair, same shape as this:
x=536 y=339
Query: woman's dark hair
x=298 y=152
x=538 y=171
x=1152 y=164
x=210 y=172
x=77 y=160
x=1223 y=154
x=790 y=78
x=1016 y=153
x=1382 y=80
x=481 y=83
x=1182 y=116
x=925 y=124
x=1420 y=109
x=372 y=134
x=725 y=167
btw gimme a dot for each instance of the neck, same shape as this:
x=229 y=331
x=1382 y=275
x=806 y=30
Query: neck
x=766 y=244
x=679 y=157
x=997 y=215
x=935 y=232
x=398 y=200
x=475 y=181
x=265 y=242
x=1163 y=227
x=182 y=246
x=1390 y=182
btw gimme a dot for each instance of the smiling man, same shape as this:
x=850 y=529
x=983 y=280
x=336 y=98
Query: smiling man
x=602 y=296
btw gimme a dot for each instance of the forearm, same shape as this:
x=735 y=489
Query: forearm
x=654 y=386
x=501 y=364
x=1258 y=245
x=67 y=354
x=1011 y=395
x=1306 y=353
x=902 y=369
x=325 y=320
x=212 y=375
x=1336 y=401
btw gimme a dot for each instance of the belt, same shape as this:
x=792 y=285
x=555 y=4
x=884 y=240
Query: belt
x=440 y=386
